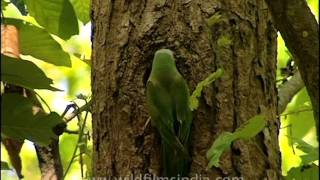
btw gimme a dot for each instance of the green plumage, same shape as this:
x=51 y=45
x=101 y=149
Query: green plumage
x=168 y=104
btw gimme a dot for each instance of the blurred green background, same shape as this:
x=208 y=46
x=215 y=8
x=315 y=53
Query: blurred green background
x=73 y=81
x=76 y=80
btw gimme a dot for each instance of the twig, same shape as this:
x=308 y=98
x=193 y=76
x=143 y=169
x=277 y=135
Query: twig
x=77 y=111
x=71 y=131
x=290 y=133
x=298 y=111
x=288 y=90
x=44 y=102
x=78 y=141
x=69 y=106
x=48 y=156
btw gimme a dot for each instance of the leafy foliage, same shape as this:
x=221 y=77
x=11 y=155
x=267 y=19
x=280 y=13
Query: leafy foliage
x=39 y=37
x=57 y=16
x=309 y=172
x=4 y=165
x=300 y=129
x=24 y=73
x=4 y=4
x=250 y=129
x=222 y=143
x=193 y=101
x=82 y=8
x=82 y=143
x=311 y=152
x=19 y=121
x=38 y=43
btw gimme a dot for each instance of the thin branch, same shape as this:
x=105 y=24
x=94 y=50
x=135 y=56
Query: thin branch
x=77 y=111
x=69 y=106
x=48 y=156
x=297 y=111
x=78 y=141
x=71 y=131
x=288 y=89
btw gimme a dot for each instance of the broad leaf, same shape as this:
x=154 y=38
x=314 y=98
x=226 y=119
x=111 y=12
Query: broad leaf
x=297 y=124
x=250 y=129
x=193 y=100
x=56 y=16
x=82 y=9
x=310 y=172
x=221 y=144
x=312 y=153
x=38 y=43
x=24 y=73
x=310 y=157
x=4 y=4
x=19 y=122
x=4 y=166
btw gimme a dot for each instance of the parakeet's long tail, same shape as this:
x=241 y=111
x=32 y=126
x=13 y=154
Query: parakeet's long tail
x=174 y=163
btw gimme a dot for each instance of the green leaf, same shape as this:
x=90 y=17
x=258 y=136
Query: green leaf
x=82 y=9
x=4 y=4
x=300 y=125
x=19 y=122
x=194 y=98
x=24 y=73
x=250 y=129
x=310 y=157
x=221 y=144
x=312 y=153
x=56 y=16
x=38 y=43
x=310 y=172
x=302 y=145
x=4 y=166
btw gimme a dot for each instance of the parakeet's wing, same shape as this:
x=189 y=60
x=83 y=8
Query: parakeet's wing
x=180 y=93
x=161 y=111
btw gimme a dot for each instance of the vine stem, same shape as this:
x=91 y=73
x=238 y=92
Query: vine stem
x=78 y=141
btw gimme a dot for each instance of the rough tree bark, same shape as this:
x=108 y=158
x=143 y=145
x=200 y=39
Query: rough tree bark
x=240 y=38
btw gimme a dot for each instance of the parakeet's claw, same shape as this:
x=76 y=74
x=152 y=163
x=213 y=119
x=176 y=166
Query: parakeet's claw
x=146 y=124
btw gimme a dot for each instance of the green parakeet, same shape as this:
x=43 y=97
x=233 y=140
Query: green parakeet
x=168 y=104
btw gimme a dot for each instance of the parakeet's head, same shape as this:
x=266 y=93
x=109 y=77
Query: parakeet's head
x=163 y=57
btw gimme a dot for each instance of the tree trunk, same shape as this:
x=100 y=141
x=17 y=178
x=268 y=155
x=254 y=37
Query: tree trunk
x=239 y=37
